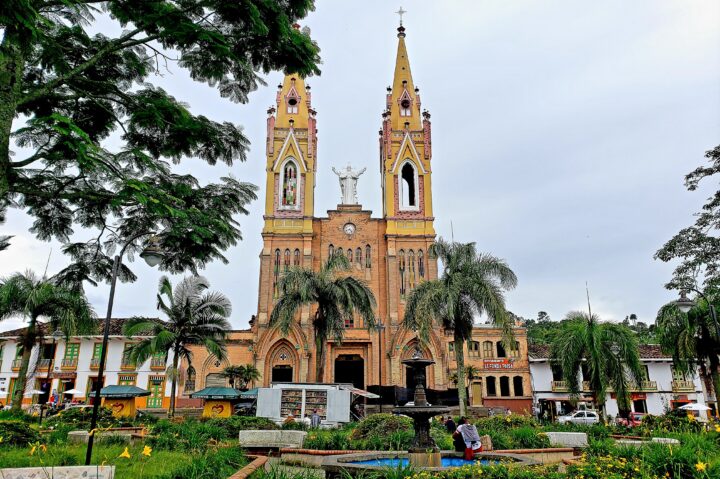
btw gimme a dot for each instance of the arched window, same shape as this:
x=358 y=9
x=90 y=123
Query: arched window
x=289 y=184
x=368 y=262
x=515 y=351
x=487 y=349
x=331 y=251
x=490 y=385
x=411 y=265
x=518 y=385
x=405 y=104
x=358 y=256
x=190 y=380
x=473 y=348
x=293 y=100
x=504 y=386
x=500 y=350
x=401 y=267
x=349 y=255
x=287 y=259
x=421 y=263
x=408 y=186
x=276 y=274
x=296 y=262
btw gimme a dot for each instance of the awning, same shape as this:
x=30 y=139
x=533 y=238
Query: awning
x=217 y=393
x=360 y=392
x=119 y=392
x=250 y=393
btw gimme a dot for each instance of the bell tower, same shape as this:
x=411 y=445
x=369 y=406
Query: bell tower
x=291 y=148
x=406 y=172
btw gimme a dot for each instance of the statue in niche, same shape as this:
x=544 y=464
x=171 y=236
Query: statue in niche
x=348 y=184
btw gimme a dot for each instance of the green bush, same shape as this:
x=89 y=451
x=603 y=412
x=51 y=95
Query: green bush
x=294 y=426
x=380 y=425
x=10 y=415
x=327 y=439
x=234 y=424
x=80 y=417
x=220 y=463
x=189 y=435
x=17 y=433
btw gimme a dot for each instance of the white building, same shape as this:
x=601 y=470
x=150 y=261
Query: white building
x=663 y=389
x=60 y=365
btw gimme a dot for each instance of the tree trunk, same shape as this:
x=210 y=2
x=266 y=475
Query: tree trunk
x=460 y=359
x=319 y=360
x=28 y=342
x=173 y=385
x=11 y=68
x=715 y=375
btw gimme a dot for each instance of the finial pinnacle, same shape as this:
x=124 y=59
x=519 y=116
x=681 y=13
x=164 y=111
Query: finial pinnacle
x=401 y=12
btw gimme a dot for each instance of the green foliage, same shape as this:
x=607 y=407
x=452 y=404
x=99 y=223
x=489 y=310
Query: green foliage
x=294 y=426
x=328 y=440
x=608 y=350
x=189 y=435
x=14 y=415
x=380 y=425
x=79 y=419
x=672 y=421
x=337 y=296
x=75 y=89
x=195 y=317
x=234 y=424
x=219 y=463
x=17 y=433
x=471 y=284
x=276 y=472
x=240 y=375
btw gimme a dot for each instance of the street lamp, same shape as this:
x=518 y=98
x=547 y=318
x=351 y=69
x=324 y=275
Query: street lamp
x=153 y=255
x=685 y=304
x=380 y=327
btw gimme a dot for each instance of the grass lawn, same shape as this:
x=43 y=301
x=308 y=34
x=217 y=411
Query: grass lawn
x=160 y=464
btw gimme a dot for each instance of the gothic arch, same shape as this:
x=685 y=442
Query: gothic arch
x=289 y=175
x=282 y=353
x=208 y=367
x=403 y=336
x=408 y=186
x=273 y=334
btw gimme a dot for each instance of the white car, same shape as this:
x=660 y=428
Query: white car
x=581 y=417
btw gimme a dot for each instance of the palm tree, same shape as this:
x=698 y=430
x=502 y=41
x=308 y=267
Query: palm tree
x=338 y=297
x=690 y=338
x=609 y=352
x=32 y=298
x=241 y=375
x=195 y=316
x=471 y=284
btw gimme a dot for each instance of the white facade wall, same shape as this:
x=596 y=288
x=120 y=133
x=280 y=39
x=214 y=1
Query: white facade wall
x=657 y=401
x=83 y=371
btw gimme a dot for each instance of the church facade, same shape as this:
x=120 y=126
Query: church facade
x=389 y=252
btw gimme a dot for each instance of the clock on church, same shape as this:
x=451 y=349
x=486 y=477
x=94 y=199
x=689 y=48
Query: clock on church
x=349 y=228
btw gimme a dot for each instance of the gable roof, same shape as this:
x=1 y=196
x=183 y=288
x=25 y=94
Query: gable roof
x=116 y=328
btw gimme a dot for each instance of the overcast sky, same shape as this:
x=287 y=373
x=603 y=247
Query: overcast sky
x=561 y=134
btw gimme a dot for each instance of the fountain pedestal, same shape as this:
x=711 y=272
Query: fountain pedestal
x=424 y=452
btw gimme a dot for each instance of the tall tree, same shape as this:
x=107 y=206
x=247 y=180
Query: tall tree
x=37 y=299
x=240 y=375
x=195 y=317
x=471 y=284
x=609 y=351
x=337 y=297
x=96 y=141
x=691 y=339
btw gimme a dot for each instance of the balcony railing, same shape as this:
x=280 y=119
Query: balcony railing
x=95 y=363
x=157 y=363
x=44 y=364
x=683 y=386
x=562 y=386
x=16 y=364
x=127 y=365
x=69 y=363
x=648 y=386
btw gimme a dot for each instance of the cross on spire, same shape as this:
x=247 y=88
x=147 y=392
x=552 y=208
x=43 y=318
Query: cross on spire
x=401 y=12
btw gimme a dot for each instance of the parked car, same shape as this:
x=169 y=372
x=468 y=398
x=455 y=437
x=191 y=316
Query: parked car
x=633 y=420
x=580 y=417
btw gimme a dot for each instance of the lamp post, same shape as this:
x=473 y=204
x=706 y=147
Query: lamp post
x=685 y=304
x=152 y=254
x=380 y=327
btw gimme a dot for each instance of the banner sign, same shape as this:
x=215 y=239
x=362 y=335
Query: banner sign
x=497 y=363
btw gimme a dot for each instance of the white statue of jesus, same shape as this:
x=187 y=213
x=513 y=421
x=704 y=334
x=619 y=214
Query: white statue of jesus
x=348 y=184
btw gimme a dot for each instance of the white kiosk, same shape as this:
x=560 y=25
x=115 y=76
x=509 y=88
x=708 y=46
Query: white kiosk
x=332 y=401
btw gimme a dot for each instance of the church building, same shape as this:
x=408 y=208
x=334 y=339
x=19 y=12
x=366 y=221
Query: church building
x=388 y=252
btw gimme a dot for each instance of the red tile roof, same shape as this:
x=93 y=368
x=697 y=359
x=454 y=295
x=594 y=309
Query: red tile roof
x=647 y=351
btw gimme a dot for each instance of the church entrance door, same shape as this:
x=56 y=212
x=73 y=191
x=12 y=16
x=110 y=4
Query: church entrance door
x=282 y=374
x=350 y=368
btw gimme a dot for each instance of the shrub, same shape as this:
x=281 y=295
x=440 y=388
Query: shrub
x=79 y=418
x=17 y=433
x=294 y=426
x=526 y=437
x=380 y=425
x=10 y=415
x=234 y=424
x=327 y=439
x=188 y=435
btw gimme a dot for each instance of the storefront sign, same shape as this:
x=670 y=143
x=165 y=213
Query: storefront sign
x=64 y=375
x=497 y=363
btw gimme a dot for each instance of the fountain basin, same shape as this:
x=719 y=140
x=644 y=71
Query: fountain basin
x=361 y=463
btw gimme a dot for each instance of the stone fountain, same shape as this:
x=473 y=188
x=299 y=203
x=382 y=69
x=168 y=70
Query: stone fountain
x=423 y=452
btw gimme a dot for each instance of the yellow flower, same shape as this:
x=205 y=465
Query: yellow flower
x=43 y=447
x=147 y=450
x=32 y=451
x=691 y=418
x=125 y=454
x=717 y=429
x=1 y=439
x=701 y=466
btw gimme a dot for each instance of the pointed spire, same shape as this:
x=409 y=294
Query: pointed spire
x=403 y=101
